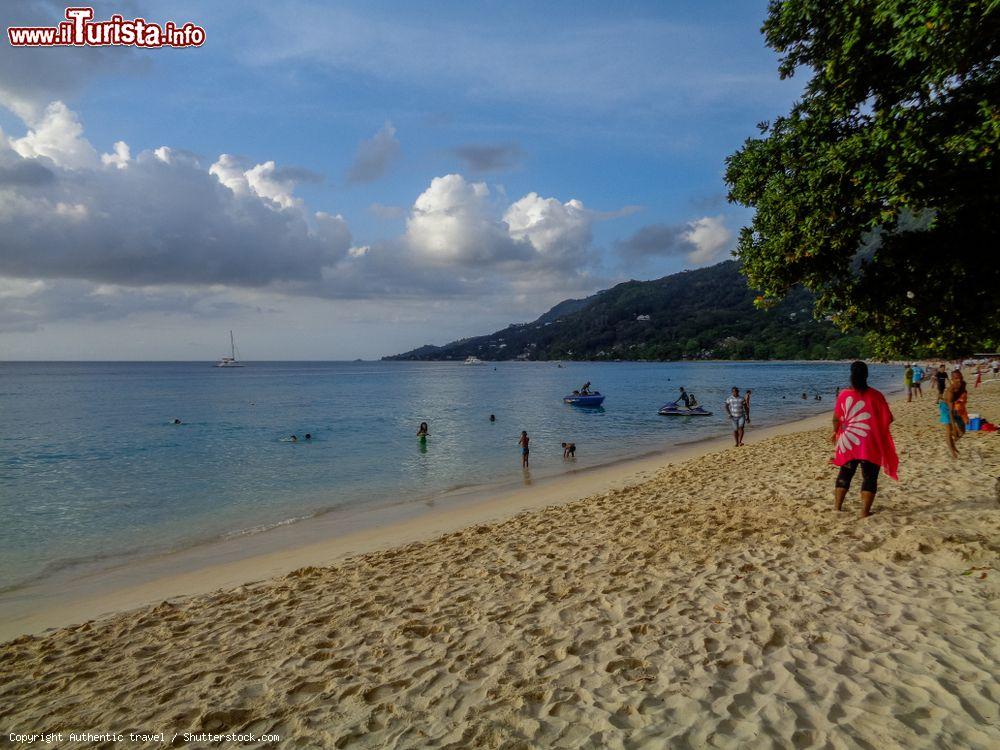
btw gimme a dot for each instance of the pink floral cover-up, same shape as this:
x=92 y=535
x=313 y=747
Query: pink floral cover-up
x=863 y=432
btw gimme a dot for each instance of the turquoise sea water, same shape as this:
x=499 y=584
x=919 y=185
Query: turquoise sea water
x=92 y=468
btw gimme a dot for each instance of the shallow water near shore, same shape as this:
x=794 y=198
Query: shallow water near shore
x=93 y=471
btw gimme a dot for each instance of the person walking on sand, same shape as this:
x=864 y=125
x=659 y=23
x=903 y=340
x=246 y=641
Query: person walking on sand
x=941 y=381
x=918 y=376
x=523 y=442
x=746 y=404
x=736 y=408
x=953 y=414
x=908 y=382
x=862 y=439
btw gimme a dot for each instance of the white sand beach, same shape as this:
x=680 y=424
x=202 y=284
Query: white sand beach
x=718 y=603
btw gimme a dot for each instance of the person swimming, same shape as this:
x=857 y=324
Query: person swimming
x=423 y=431
x=309 y=436
x=295 y=438
x=493 y=417
x=177 y=421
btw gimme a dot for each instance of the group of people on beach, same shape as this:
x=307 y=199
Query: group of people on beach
x=861 y=425
x=862 y=419
x=952 y=396
x=913 y=376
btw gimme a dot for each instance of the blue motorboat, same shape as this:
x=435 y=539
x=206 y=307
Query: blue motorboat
x=584 y=399
x=677 y=409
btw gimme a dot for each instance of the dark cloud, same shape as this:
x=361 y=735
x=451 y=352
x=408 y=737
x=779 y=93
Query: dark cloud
x=31 y=77
x=486 y=157
x=655 y=240
x=74 y=300
x=25 y=173
x=700 y=241
x=374 y=156
x=297 y=174
x=159 y=223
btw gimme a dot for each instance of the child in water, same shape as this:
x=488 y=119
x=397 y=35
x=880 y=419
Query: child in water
x=569 y=450
x=523 y=442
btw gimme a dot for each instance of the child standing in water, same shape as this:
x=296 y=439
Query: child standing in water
x=523 y=442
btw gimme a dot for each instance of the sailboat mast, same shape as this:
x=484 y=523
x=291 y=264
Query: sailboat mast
x=232 y=345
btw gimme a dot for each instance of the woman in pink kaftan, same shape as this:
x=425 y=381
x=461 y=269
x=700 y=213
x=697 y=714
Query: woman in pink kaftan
x=862 y=439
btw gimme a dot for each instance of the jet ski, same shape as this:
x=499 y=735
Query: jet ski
x=677 y=409
x=584 y=399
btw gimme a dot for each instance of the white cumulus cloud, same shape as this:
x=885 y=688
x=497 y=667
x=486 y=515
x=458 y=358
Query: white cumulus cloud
x=119 y=158
x=162 y=220
x=265 y=183
x=57 y=135
x=454 y=221
x=553 y=228
x=709 y=239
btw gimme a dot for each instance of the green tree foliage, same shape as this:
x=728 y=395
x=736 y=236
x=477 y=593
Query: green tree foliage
x=879 y=190
x=707 y=313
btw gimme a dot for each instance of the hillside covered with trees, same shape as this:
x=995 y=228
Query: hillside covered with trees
x=708 y=313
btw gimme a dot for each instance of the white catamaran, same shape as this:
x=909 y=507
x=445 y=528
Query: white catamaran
x=231 y=360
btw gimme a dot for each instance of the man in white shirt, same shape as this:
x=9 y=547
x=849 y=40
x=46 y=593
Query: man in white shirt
x=736 y=409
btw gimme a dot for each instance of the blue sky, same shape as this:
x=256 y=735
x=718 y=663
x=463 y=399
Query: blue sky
x=394 y=175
